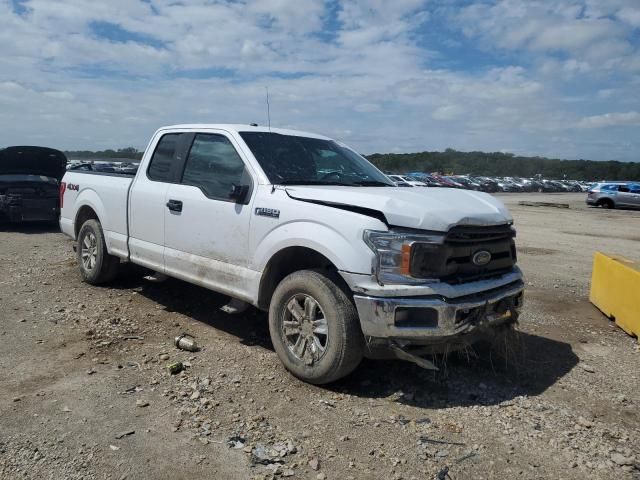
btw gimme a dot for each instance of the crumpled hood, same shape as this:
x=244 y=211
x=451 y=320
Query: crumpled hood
x=423 y=208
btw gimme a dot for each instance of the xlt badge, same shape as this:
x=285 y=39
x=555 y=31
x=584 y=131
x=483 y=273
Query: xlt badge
x=268 y=212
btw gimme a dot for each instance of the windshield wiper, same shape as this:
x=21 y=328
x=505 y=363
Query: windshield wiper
x=372 y=183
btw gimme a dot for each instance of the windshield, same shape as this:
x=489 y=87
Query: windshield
x=293 y=160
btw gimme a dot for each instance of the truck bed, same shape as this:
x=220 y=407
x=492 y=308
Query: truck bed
x=107 y=193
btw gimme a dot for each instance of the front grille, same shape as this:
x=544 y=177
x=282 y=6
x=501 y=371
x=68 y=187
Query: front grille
x=452 y=261
x=471 y=234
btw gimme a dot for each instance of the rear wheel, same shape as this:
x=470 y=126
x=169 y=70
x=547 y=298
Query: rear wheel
x=606 y=203
x=315 y=328
x=95 y=264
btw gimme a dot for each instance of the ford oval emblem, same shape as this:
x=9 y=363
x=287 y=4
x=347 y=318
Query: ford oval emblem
x=481 y=258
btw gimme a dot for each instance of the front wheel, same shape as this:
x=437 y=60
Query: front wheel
x=314 y=327
x=95 y=263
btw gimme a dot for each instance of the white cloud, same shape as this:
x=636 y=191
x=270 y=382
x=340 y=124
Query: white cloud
x=630 y=15
x=372 y=78
x=610 y=120
x=585 y=32
x=447 y=112
x=367 y=107
x=60 y=95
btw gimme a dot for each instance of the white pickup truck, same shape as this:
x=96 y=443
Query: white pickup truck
x=299 y=225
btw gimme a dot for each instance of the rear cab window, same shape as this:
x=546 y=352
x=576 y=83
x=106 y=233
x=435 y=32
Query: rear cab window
x=166 y=162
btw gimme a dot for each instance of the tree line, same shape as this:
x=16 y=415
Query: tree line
x=491 y=164
x=498 y=164
x=130 y=153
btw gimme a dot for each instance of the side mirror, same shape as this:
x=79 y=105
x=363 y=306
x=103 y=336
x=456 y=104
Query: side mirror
x=239 y=192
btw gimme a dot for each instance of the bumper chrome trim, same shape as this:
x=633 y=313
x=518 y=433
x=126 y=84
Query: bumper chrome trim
x=377 y=314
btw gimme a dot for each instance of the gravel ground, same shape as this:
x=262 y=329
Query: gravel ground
x=85 y=391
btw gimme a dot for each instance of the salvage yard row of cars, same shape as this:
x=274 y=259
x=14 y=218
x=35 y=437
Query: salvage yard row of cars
x=416 y=179
x=30 y=181
x=489 y=184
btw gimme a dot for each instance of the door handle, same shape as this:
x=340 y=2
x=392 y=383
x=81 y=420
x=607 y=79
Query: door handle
x=174 y=205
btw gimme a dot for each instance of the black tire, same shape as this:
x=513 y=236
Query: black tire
x=343 y=341
x=100 y=267
x=606 y=204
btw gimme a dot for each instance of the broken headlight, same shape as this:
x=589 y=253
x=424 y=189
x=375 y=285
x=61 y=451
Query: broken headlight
x=393 y=250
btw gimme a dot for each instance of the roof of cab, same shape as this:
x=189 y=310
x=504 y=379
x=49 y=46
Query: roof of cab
x=234 y=127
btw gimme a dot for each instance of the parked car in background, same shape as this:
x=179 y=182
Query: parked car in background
x=487 y=184
x=29 y=183
x=615 y=195
x=466 y=182
x=506 y=185
x=399 y=181
x=426 y=178
x=407 y=179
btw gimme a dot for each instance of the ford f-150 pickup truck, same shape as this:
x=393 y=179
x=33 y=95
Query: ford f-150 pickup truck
x=299 y=225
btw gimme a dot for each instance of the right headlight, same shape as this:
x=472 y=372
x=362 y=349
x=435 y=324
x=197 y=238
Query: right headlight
x=393 y=250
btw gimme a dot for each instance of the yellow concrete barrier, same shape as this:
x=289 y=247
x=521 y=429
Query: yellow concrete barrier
x=615 y=290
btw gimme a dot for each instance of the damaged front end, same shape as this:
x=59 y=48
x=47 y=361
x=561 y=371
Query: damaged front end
x=29 y=183
x=409 y=326
x=450 y=290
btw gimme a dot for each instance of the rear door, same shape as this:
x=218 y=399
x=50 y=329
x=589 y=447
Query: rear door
x=147 y=199
x=206 y=230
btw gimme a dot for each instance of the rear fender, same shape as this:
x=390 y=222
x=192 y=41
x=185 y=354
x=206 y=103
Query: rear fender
x=89 y=198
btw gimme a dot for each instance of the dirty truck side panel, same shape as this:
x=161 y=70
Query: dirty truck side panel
x=207 y=239
x=326 y=230
x=104 y=194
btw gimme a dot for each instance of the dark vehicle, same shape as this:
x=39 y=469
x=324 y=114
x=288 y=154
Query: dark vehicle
x=466 y=182
x=426 y=178
x=549 y=186
x=506 y=185
x=30 y=183
x=95 y=167
x=486 y=184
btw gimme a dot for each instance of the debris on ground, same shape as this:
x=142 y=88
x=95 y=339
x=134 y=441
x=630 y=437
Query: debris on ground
x=186 y=342
x=175 y=368
x=544 y=204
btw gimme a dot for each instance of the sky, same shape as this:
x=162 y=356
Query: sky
x=531 y=77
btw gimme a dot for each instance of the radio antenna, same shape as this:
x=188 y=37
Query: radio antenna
x=268 y=109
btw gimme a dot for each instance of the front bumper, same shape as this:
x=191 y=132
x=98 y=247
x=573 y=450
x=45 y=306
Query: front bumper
x=434 y=319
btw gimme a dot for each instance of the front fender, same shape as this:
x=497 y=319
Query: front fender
x=346 y=254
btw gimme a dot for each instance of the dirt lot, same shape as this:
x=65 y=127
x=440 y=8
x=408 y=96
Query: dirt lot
x=85 y=393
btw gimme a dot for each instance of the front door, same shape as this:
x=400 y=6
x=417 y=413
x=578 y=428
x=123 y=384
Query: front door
x=625 y=197
x=147 y=201
x=634 y=193
x=206 y=226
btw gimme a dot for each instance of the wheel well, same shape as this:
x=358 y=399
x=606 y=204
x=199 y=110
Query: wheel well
x=284 y=263
x=605 y=201
x=85 y=213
